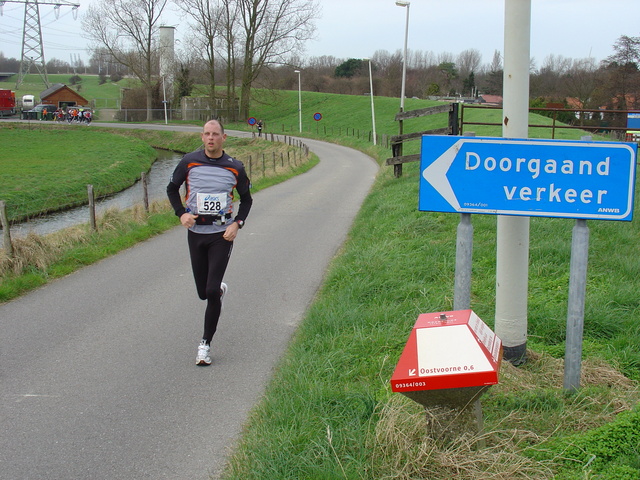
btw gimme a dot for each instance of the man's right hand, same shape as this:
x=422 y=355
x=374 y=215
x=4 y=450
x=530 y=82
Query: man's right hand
x=188 y=220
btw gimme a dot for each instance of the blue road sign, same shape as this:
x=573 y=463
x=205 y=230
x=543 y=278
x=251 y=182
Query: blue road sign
x=633 y=121
x=545 y=178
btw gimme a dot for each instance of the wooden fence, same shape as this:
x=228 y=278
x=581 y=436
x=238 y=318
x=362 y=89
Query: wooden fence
x=262 y=165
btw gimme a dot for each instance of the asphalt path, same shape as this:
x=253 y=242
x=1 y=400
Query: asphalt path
x=97 y=369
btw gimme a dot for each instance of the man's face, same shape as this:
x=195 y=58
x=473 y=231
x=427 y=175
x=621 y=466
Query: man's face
x=213 y=139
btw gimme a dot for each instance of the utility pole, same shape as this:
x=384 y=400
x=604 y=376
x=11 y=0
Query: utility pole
x=512 y=264
x=32 y=46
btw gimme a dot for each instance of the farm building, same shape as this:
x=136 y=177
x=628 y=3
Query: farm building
x=62 y=96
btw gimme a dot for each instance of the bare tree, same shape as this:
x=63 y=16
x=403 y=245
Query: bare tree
x=208 y=21
x=390 y=71
x=423 y=60
x=493 y=80
x=546 y=82
x=127 y=29
x=272 y=30
x=582 y=80
x=627 y=50
x=623 y=70
x=469 y=62
x=231 y=13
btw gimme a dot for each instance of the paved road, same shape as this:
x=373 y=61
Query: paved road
x=97 y=370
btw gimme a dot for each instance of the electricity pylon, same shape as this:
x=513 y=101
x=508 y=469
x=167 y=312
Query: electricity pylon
x=32 y=47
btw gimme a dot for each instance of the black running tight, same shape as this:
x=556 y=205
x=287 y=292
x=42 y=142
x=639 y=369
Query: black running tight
x=209 y=259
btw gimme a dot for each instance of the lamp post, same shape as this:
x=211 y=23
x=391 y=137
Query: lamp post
x=404 y=3
x=164 y=100
x=397 y=150
x=299 y=100
x=373 y=112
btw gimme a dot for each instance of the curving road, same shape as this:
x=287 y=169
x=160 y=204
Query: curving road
x=97 y=370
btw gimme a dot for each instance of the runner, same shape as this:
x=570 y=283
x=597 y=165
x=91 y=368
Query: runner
x=210 y=176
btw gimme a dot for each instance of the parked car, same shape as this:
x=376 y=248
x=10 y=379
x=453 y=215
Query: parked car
x=36 y=113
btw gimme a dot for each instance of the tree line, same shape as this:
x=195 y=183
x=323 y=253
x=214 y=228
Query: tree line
x=243 y=44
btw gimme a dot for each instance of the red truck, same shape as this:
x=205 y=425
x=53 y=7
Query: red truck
x=7 y=102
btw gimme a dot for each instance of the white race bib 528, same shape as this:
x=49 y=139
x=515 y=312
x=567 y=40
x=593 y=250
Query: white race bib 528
x=211 y=203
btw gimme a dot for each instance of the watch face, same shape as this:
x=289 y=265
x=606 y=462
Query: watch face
x=240 y=223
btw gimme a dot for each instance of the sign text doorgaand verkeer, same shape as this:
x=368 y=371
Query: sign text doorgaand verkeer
x=548 y=178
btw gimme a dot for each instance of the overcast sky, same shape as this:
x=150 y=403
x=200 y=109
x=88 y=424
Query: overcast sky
x=358 y=28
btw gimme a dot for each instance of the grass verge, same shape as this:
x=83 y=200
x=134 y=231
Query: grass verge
x=329 y=412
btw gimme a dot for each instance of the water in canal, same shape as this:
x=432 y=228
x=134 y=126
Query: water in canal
x=157 y=180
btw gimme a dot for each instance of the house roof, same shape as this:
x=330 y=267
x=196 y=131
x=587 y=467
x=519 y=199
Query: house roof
x=497 y=99
x=52 y=89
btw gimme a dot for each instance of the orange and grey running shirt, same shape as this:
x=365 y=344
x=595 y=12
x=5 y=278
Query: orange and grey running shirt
x=209 y=190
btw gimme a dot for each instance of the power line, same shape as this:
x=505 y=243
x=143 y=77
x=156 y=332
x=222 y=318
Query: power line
x=32 y=47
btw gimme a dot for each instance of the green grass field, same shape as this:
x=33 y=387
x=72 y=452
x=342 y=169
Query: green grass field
x=328 y=411
x=48 y=169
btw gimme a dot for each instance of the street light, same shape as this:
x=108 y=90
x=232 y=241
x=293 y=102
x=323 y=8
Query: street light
x=299 y=100
x=373 y=112
x=164 y=100
x=397 y=150
x=404 y=3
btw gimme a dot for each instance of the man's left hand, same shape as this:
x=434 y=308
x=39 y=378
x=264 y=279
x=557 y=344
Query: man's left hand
x=231 y=232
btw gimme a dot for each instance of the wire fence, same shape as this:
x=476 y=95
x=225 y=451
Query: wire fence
x=319 y=130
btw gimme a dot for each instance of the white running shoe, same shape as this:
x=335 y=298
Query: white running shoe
x=204 y=352
x=223 y=292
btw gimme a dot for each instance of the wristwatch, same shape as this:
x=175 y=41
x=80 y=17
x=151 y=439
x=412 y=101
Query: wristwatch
x=240 y=223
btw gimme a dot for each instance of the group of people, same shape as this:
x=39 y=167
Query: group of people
x=72 y=114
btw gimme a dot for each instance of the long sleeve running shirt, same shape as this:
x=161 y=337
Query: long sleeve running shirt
x=209 y=189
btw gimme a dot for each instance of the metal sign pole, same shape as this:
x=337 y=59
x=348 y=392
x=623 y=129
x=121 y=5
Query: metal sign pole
x=464 y=260
x=575 y=310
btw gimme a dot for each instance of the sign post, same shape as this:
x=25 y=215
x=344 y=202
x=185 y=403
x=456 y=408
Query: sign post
x=575 y=310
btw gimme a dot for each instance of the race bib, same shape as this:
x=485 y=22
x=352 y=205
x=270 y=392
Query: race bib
x=211 y=203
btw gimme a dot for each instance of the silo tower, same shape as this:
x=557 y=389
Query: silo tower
x=167 y=56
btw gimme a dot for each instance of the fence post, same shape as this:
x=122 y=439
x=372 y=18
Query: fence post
x=92 y=207
x=250 y=161
x=454 y=126
x=6 y=234
x=145 y=191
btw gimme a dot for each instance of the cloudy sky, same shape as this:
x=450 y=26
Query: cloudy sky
x=358 y=28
